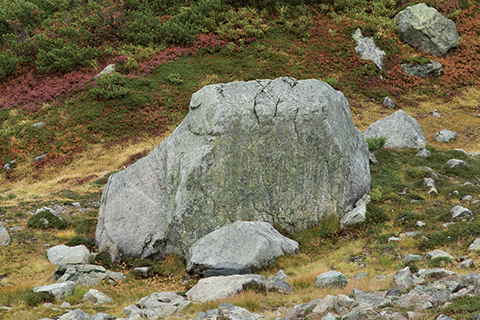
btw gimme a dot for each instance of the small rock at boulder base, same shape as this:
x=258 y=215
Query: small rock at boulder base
x=432 y=68
x=331 y=279
x=403 y=280
x=424 y=153
x=388 y=103
x=400 y=129
x=423 y=26
x=445 y=136
x=255 y=244
x=281 y=151
x=4 y=236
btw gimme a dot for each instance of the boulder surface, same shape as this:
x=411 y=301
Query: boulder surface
x=423 y=26
x=281 y=151
x=255 y=244
x=400 y=129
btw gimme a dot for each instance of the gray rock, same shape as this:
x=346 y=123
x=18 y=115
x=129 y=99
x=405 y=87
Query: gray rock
x=65 y=305
x=329 y=316
x=281 y=151
x=426 y=28
x=367 y=49
x=439 y=298
x=41 y=157
x=344 y=304
x=227 y=311
x=282 y=275
x=77 y=314
x=107 y=70
x=467 y=197
x=325 y=304
x=428 y=182
x=58 y=291
x=356 y=216
x=111 y=251
x=4 y=236
x=401 y=131
x=394 y=292
x=413 y=300
x=215 y=288
x=421 y=224
x=398 y=316
x=38 y=125
x=459 y=212
x=96 y=297
x=443 y=317
x=103 y=316
x=403 y=280
x=456 y=163
x=360 y=275
x=331 y=279
x=363 y=314
x=9 y=165
x=437 y=274
x=277 y=285
x=432 y=68
x=141 y=271
x=475 y=246
x=445 y=136
x=424 y=153
x=439 y=254
x=435 y=114
x=62 y=255
x=468 y=263
x=394 y=239
x=208 y=315
x=157 y=305
x=370 y=300
x=301 y=311
x=227 y=269
x=388 y=103
x=412 y=257
x=255 y=244
x=86 y=274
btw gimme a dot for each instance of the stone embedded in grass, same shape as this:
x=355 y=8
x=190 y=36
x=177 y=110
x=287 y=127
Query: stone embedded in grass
x=38 y=125
x=467 y=197
x=4 y=236
x=157 y=305
x=424 y=153
x=466 y=264
x=58 y=291
x=428 y=182
x=443 y=317
x=400 y=129
x=96 y=297
x=403 y=280
x=437 y=274
x=439 y=254
x=440 y=297
x=445 y=136
x=456 y=163
x=459 y=212
x=412 y=257
x=432 y=68
x=227 y=311
x=370 y=300
x=63 y=255
x=103 y=316
x=388 y=103
x=326 y=304
x=475 y=246
x=278 y=285
x=86 y=274
x=77 y=314
x=331 y=279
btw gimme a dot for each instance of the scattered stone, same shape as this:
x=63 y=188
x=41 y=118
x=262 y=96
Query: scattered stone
x=331 y=279
x=107 y=70
x=40 y=157
x=456 y=163
x=86 y=274
x=360 y=275
x=63 y=255
x=329 y=316
x=284 y=121
x=282 y=275
x=421 y=224
x=278 y=285
x=466 y=264
x=475 y=246
x=432 y=68
x=410 y=234
x=445 y=136
x=412 y=257
x=77 y=314
x=424 y=153
x=394 y=239
x=227 y=269
x=227 y=311
x=252 y=243
x=38 y=125
x=474 y=154
x=400 y=129
x=394 y=292
x=64 y=305
x=58 y=291
x=103 y=316
x=301 y=311
x=367 y=49
x=435 y=114
x=436 y=274
x=325 y=304
x=412 y=300
x=370 y=300
x=111 y=251
x=459 y=212
x=361 y=313
x=403 y=280
x=388 y=103
x=443 y=317
x=141 y=271
x=96 y=297
x=428 y=182
x=356 y=216
x=423 y=26
x=4 y=236
x=208 y=315
x=439 y=298
x=439 y=254
x=9 y=165
x=215 y=288
x=157 y=305
x=467 y=197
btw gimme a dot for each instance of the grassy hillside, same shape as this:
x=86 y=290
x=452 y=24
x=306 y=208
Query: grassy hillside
x=166 y=50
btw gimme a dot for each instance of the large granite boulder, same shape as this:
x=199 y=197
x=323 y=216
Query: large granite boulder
x=423 y=26
x=281 y=151
x=255 y=244
x=4 y=236
x=400 y=129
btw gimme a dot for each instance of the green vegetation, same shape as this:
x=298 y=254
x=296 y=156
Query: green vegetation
x=376 y=143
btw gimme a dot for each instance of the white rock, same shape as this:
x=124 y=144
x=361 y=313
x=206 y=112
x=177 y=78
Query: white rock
x=458 y=212
x=439 y=254
x=58 y=291
x=445 y=136
x=475 y=246
x=96 y=297
x=354 y=217
x=456 y=163
x=4 y=236
x=62 y=255
x=331 y=279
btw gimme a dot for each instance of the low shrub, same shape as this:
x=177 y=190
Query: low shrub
x=9 y=63
x=376 y=143
x=46 y=220
x=34 y=299
x=64 y=59
x=109 y=87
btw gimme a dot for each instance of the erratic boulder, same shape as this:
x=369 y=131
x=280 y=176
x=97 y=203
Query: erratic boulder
x=401 y=131
x=281 y=151
x=255 y=244
x=423 y=26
